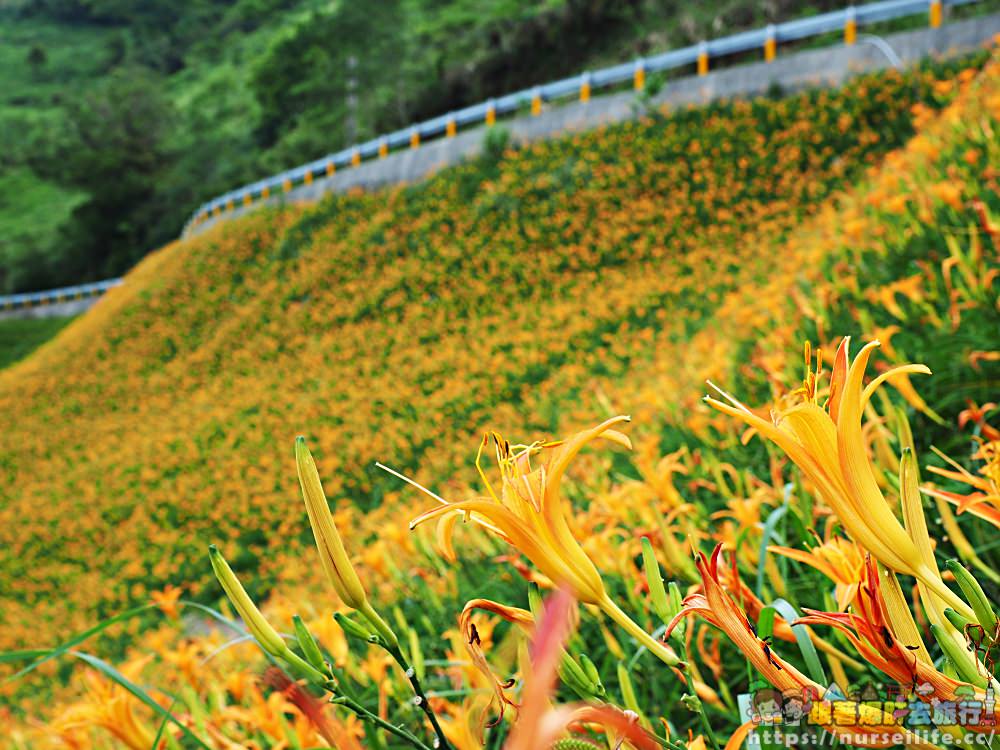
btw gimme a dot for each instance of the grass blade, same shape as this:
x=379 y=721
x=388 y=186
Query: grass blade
x=74 y=641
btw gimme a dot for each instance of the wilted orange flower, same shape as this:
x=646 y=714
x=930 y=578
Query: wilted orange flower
x=716 y=606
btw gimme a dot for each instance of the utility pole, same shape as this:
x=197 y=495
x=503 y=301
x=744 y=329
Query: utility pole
x=351 y=125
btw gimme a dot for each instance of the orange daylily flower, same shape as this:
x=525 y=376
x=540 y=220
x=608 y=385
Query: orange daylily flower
x=112 y=707
x=977 y=415
x=984 y=501
x=839 y=559
x=167 y=599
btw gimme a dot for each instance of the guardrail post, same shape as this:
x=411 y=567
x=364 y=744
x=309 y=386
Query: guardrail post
x=703 y=59
x=265 y=192
x=383 y=148
x=286 y=185
x=935 y=13
x=229 y=205
x=414 y=138
x=331 y=168
x=449 y=127
x=247 y=199
x=585 y=88
x=639 y=75
x=491 y=112
x=850 y=27
x=308 y=179
x=770 y=44
x=536 y=102
x=355 y=157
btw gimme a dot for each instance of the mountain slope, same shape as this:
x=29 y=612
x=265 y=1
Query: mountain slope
x=393 y=326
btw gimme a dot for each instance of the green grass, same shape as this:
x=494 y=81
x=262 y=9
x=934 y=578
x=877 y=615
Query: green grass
x=20 y=337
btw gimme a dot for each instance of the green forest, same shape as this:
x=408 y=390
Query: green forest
x=118 y=118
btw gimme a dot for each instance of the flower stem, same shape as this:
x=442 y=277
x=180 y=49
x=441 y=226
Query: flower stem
x=378 y=721
x=705 y=723
x=391 y=644
x=660 y=650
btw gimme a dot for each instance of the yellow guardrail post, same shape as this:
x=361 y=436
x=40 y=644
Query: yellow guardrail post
x=449 y=127
x=639 y=76
x=770 y=44
x=491 y=112
x=247 y=199
x=356 y=158
x=286 y=185
x=265 y=192
x=936 y=13
x=383 y=149
x=850 y=27
x=414 y=138
x=585 y=88
x=229 y=205
x=703 y=59
x=536 y=102
x=308 y=179
x=331 y=168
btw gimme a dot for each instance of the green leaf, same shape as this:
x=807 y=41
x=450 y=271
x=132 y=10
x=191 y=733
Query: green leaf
x=77 y=640
x=765 y=539
x=801 y=632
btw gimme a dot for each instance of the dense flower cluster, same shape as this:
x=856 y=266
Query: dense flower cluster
x=614 y=270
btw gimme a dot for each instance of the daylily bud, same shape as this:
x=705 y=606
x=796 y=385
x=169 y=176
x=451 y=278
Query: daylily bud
x=259 y=628
x=351 y=627
x=592 y=674
x=332 y=554
x=416 y=654
x=572 y=675
x=691 y=702
x=957 y=621
x=675 y=604
x=959 y=658
x=628 y=692
x=975 y=595
x=657 y=594
x=308 y=644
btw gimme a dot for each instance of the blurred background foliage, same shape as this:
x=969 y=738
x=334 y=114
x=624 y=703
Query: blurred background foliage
x=117 y=118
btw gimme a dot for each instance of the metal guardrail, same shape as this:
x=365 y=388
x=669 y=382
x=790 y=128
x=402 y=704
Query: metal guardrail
x=581 y=86
x=53 y=296
x=766 y=39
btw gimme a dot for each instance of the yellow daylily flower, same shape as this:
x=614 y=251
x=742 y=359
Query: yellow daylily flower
x=531 y=515
x=827 y=445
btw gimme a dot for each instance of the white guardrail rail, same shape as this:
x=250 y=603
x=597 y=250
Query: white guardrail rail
x=766 y=39
x=54 y=296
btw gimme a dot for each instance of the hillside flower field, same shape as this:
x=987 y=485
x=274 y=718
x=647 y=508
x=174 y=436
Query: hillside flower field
x=626 y=439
